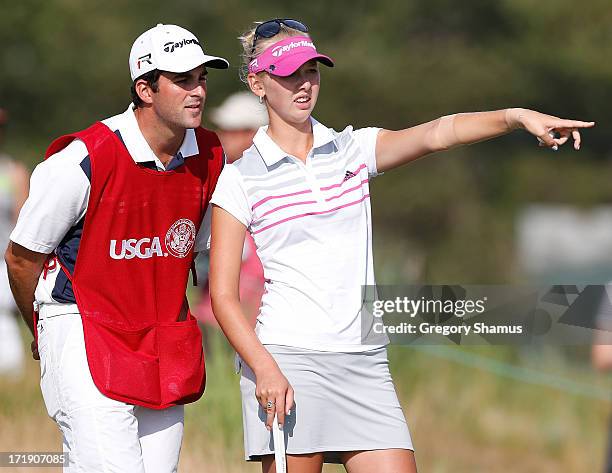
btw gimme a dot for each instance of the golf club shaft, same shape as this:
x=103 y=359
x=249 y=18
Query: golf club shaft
x=279 y=447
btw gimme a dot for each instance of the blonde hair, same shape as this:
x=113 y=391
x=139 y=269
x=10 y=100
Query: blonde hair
x=246 y=39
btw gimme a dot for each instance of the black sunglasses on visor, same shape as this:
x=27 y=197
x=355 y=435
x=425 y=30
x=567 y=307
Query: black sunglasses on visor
x=270 y=28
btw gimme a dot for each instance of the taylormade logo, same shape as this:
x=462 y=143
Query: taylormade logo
x=142 y=59
x=170 y=46
x=278 y=51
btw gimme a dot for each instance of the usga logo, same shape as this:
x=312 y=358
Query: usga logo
x=178 y=241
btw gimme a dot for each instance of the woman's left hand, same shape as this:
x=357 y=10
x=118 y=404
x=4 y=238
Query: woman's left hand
x=550 y=131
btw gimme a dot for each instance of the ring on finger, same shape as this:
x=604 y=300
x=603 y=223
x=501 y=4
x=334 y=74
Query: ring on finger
x=270 y=405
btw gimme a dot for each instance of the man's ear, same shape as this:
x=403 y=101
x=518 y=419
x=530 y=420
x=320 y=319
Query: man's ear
x=144 y=91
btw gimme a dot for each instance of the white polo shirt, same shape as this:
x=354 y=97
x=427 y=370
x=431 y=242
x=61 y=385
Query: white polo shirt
x=53 y=214
x=311 y=223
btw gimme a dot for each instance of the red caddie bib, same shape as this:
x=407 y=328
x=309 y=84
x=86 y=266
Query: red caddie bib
x=132 y=268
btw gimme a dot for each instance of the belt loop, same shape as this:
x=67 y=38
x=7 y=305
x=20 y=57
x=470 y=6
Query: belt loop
x=50 y=265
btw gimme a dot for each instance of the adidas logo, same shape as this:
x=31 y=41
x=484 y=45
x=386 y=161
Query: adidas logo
x=348 y=175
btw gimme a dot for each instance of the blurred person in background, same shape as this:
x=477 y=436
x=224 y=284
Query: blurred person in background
x=601 y=354
x=14 y=182
x=237 y=120
x=99 y=262
x=302 y=191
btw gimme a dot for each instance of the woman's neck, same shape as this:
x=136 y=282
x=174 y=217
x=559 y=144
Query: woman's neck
x=295 y=139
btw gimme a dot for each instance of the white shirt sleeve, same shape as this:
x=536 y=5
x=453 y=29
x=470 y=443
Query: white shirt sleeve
x=231 y=196
x=59 y=192
x=366 y=138
x=202 y=242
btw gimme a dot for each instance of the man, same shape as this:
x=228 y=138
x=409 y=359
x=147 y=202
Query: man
x=13 y=192
x=102 y=250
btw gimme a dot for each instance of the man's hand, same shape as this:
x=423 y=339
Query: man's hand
x=34 y=347
x=24 y=267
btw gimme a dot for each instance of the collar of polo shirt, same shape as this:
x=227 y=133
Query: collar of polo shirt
x=138 y=147
x=272 y=153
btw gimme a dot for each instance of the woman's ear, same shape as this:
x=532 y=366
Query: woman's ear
x=256 y=85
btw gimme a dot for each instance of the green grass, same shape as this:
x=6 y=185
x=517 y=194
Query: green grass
x=463 y=418
x=220 y=416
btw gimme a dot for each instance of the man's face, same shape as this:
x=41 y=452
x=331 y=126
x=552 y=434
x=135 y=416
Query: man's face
x=180 y=98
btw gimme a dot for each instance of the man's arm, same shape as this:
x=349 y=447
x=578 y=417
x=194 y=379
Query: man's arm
x=58 y=198
x=24 y=268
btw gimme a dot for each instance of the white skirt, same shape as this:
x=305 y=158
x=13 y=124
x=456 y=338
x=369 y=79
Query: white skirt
x=343 y=402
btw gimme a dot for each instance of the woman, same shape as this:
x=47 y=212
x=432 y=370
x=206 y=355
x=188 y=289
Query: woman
x=302 y=191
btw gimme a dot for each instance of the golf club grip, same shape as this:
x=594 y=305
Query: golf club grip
x=279 y=447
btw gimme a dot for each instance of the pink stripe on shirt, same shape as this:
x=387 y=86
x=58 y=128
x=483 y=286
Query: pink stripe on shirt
x=311 y=213
x=343 y=180
x=346 y=191
x=288 y=205
x=264 y=200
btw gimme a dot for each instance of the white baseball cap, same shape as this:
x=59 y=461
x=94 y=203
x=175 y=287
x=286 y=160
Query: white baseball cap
x=240 y=111
x=169 y=48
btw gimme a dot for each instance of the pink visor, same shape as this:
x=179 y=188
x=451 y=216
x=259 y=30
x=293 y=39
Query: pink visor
x=286 y=56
